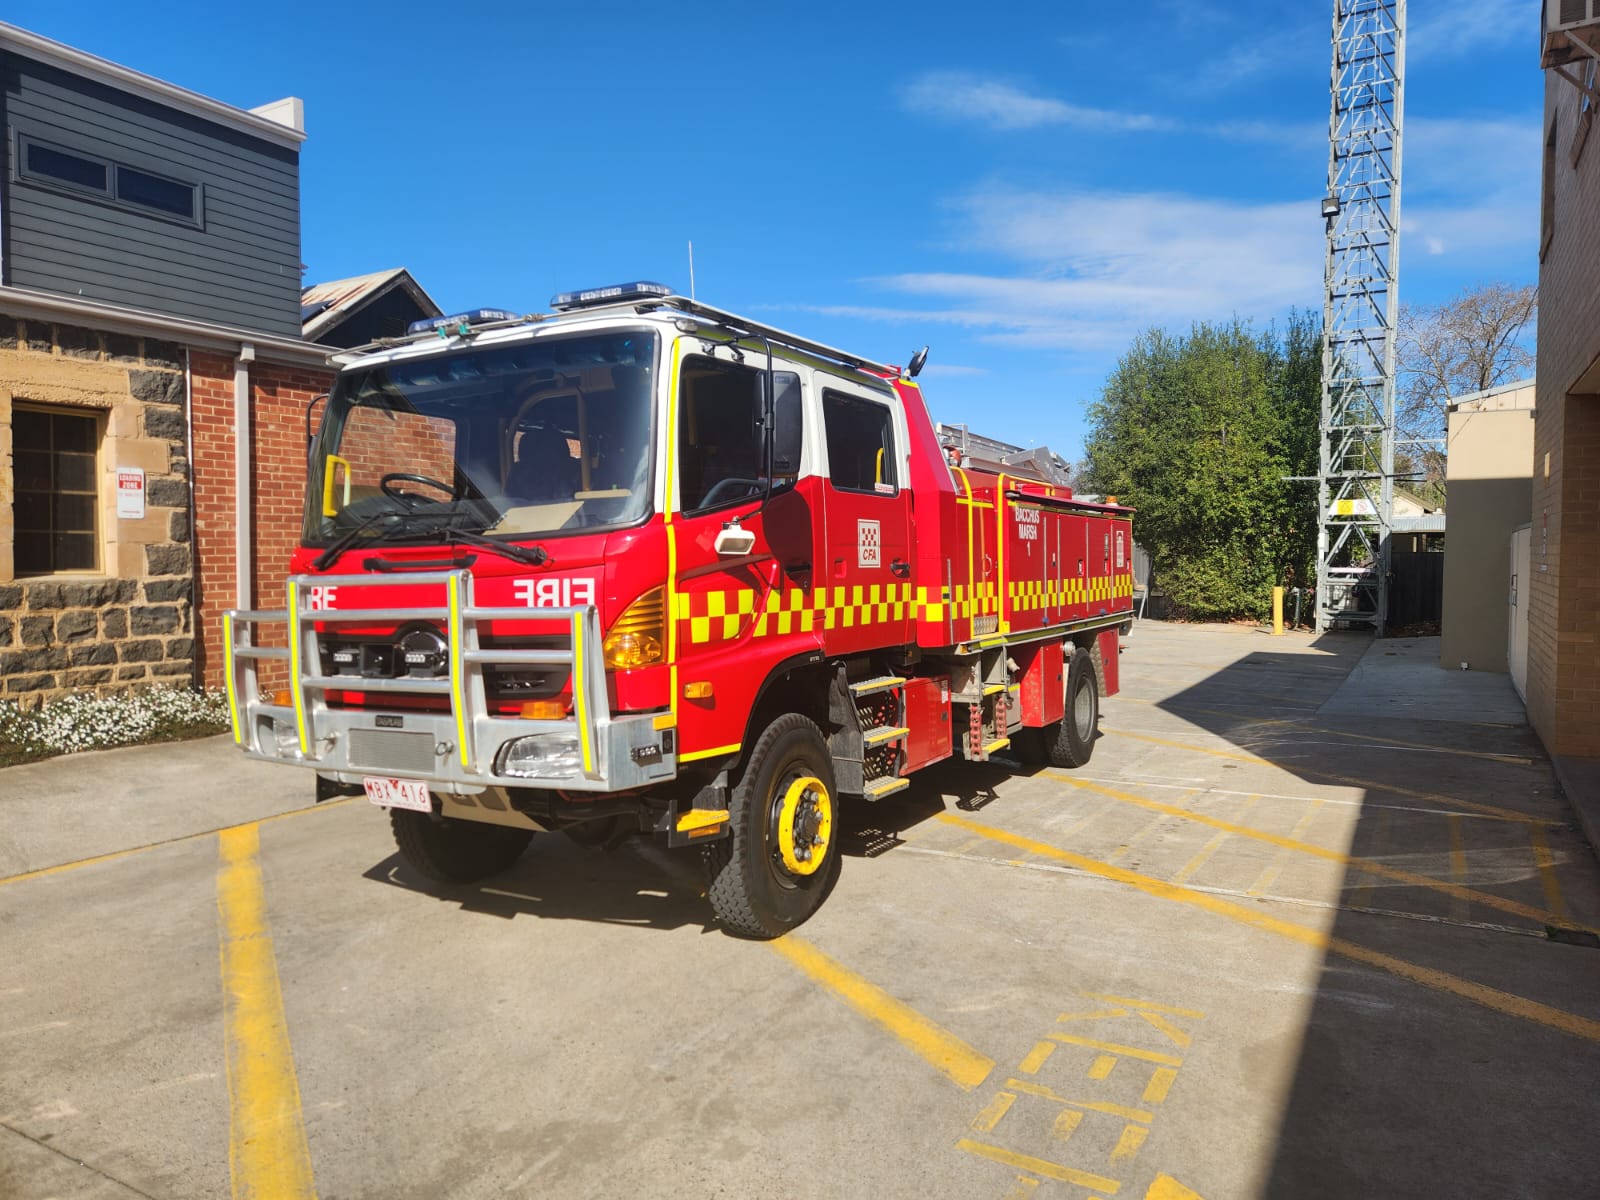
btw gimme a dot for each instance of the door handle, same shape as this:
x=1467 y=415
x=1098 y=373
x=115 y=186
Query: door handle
x=900 y=568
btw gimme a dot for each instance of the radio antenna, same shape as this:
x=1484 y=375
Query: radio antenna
x=691 y=270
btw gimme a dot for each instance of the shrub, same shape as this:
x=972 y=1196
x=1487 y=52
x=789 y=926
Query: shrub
x=86 y=722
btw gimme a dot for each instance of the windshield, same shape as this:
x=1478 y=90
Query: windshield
x=542 y=437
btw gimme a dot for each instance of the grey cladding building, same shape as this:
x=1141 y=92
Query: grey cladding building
x=114 y=196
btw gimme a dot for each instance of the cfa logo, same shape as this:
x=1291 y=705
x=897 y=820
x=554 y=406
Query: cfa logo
x=869 y=550
x=554 y=593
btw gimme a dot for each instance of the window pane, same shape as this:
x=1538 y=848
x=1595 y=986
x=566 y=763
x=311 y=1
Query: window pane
x=861 y=454
x=136 y=187
x=33 y=471
x=71 y=432
x=75 y=472
x=66 y=168
x=32 y=552
x=74 y=552
x=719 y=434
x=33 y=511
x=74 y=513
x=30 y=430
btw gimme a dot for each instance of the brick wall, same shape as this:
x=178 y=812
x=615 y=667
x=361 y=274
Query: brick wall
x=1564 y=591
x=129 y=622
x=278 y=400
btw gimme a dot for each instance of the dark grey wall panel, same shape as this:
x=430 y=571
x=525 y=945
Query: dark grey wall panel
x=240 y=267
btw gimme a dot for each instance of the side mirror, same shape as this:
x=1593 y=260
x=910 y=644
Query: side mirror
x=787 y=426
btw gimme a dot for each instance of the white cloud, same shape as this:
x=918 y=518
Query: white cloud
x=1099 y=267
x=1446 y=28
x=958 y=95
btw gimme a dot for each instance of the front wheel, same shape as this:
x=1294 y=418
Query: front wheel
x=451 y=851
x=782 y=857
x=1071 y=740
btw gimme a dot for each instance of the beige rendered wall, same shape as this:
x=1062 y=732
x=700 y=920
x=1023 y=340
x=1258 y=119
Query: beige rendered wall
x=1489 y=493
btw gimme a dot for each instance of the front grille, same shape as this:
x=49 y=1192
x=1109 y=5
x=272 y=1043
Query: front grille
x=391 y=751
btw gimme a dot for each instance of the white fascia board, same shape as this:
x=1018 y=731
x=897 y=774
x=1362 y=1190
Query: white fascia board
x=79 y=62
x=200 y=335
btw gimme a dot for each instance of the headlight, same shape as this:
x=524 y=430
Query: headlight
x=286 y=739
x=639 y=636
x=541 y=756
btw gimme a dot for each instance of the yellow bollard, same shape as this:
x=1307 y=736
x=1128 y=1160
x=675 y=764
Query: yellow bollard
x=1277 y=612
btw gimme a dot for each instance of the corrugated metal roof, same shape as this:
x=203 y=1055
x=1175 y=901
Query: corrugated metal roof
x=324 y=304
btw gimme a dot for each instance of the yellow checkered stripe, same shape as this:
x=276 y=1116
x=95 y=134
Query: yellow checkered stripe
x=724 y=615
x=1032 y=595
x=721 y=616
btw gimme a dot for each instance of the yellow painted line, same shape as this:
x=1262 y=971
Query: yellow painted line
x=1506 y=814
x=1190 y=868
x=1488 y=997
x=1102 y=1067
x=932 y=1042
x=297 y=669
x=61 y=868
x=1370 y=866
x=1039 y=1166
x=1155 y=1092
x=1099 y=1106
x=1280 y=860
x=1547 y=874
x=1151 y=1005
x=1155 y=1056
x=986 y=1120
x=1166 y=1187
x=267 y=1151
x=1128 y=1144
x=580 y=699
x=1366 y=894
x=1036 y=1057
x=458 y=695
x=1066 y=1124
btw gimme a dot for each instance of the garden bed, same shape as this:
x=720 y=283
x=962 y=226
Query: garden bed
x=86 y=722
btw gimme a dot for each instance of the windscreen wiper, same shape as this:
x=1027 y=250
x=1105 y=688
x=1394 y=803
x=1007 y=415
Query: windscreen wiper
x=348 y=538
x=532 y=555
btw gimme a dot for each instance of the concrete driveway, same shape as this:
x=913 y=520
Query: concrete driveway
x=1288 y=934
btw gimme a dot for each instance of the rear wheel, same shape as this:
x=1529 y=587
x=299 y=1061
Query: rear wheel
x=782 y=857
x=450 y=851
x=1071 y=740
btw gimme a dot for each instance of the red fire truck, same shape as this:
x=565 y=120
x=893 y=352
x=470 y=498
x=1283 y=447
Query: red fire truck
x=642 y=565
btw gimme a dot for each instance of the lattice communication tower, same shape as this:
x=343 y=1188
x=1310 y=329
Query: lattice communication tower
x=1360 y=310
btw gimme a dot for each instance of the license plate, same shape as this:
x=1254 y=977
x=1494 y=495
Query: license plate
x=398 y=793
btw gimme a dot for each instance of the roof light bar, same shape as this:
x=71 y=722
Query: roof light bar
x=617 y=293
x=460 y=321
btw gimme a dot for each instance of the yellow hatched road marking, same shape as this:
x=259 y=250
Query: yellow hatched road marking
x=1491 y=998
x=1281 y=859
x=1040 y=1166
x=1458 y=867
x=1370 y=866
x=1350 y=780
x=1547 y=873
x=267 y=1152
x=936 y=1045
x=1166 y=1187
x=113 y=856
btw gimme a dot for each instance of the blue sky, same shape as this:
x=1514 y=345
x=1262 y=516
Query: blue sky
x=1023 y=185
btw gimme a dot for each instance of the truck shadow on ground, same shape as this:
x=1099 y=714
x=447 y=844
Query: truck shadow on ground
x=1404 y=1082
x=642 y=884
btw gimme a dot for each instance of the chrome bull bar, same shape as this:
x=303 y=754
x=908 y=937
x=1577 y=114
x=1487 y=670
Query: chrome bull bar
x=456 y=751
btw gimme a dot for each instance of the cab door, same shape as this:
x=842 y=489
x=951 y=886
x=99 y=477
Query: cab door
x=866 y=562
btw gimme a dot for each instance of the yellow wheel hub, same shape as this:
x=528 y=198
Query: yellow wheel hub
x=805 y=826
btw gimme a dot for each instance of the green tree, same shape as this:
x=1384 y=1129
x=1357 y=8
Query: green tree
x=1197 y=433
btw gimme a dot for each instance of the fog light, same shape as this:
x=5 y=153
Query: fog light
x=286 y=738
x=541 y=756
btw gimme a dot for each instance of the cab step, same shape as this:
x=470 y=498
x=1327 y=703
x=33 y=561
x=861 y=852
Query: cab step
x=877 y=789
x=998 y=744
x=884 y=733
x=883 y=683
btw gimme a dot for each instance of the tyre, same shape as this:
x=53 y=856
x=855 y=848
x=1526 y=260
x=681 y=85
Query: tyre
x=781 y=858
x=1071 y=740
x=450 y=851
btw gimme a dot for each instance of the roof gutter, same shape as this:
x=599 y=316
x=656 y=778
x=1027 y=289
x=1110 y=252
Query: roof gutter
x=200 y=335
